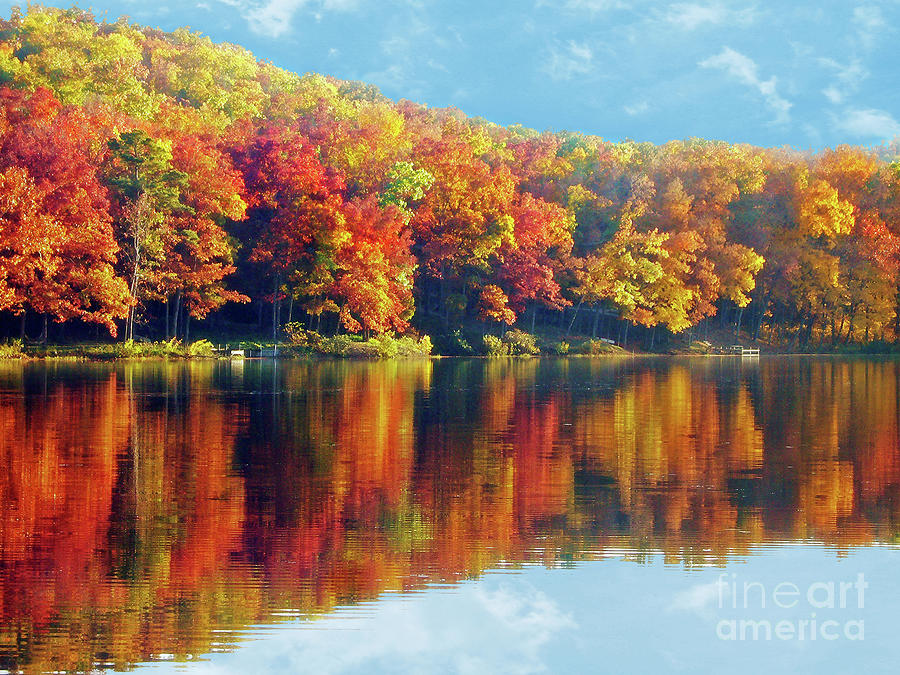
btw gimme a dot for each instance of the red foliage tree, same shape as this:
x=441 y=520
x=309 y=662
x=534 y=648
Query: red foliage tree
x=59 y=250
x=295 y=207
x=374 y=285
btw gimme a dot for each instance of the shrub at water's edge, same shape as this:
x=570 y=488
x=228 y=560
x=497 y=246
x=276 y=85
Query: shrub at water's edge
x=306 y=342
x=513 y=343
x=129 y=349
x=11 y=350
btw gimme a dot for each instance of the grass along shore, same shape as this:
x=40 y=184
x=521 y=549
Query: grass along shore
x=300 y=343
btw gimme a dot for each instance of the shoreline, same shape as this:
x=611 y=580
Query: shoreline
x=311 y=346
x=321 y=356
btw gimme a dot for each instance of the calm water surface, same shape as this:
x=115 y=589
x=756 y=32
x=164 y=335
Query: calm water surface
x=634 y=515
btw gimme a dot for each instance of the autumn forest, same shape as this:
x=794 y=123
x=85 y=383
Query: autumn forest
x=151 y=179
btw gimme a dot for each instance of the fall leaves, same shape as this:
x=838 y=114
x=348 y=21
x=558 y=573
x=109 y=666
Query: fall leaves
x=149 y=178
x=58 y=249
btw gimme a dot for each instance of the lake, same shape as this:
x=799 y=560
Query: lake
x=450 y=515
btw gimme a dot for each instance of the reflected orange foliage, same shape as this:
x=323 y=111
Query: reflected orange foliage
x=145 y=506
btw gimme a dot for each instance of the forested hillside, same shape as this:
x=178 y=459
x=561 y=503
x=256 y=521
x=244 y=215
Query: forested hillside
x=147 y=178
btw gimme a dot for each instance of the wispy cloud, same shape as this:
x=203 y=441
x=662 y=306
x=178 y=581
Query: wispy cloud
x=566 y=61
x=744 y=70
x=847 y=78
x=535 y=616
x=274 y=18
x=638 y=108
x=869 y=22
x=699 y=599
x=590 y=5
x=833 y=94
x=868 y=123
x=691 y=16
x=477 y=629
x=410 y=57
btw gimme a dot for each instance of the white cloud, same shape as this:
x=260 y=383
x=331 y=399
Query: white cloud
x=408 y=59
x=847 y=79
x=591 y=5
x=435 y=65
x=567 y=61
x=699 y=599
x=274 y=17
x=744 y=70
x=833 y=94
x=395 y=45
x=690 y=16
x=869 y=23
x=502 y=628
x=533 y=614
x=636 y=108
x=271 y=18
x=868 y=123
x=869 y=17
x=396 y=77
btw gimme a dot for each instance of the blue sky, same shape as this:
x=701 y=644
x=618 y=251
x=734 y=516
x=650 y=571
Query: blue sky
x=805 y=73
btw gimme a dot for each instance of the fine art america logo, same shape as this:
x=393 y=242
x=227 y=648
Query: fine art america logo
x=822 y=610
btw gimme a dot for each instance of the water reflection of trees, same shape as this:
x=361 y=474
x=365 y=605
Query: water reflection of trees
x=143 y=506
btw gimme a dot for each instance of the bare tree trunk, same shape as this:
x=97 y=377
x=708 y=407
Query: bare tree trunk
x=275 y=300
x=274 y=315
x=129 y=330
x=574 y=316
x=757 y=319
x=850 y=328
x=43 y=338
x=177 y=312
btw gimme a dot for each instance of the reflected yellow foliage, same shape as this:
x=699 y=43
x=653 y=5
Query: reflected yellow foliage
x=146 y=505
